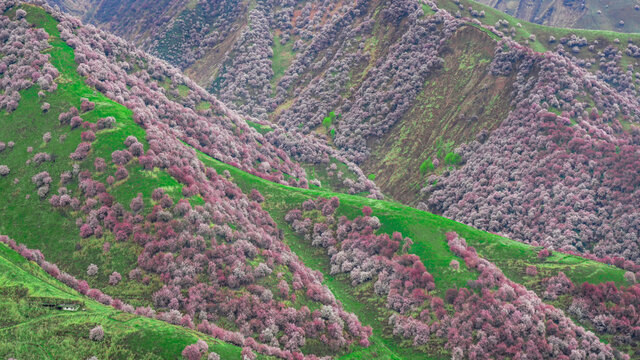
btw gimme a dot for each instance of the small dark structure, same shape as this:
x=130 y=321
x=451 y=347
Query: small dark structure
x=56 y=303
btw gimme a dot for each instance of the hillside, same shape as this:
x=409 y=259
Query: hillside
x=31 y=330
x=413 y=86
x=171 y=216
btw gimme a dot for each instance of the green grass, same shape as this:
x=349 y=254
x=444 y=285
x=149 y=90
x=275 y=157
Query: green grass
x=282 y=57
x=426 y=166
x=183 y=90
x=452 y=159
x=203 y=105
x=327 y=122
x=262 y=129
x=29 y=331
x=331 y=182
x=427 y=9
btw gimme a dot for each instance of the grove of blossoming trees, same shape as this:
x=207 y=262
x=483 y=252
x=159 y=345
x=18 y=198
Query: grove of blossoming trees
x=246 y=80
x=382 y=96
x=564 y=181
x=608 y=308
x=96 y=53
x=23 y=63
x=195 y=31
x=181 y=246
x=493 y=318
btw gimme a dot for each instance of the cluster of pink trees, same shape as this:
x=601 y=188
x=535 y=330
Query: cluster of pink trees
x=511 y=321
x=311 y=150
x=633 y=50
x=356 y=250
x=561 y=181
x=314 y=36
x=23 y=62
x=197 y=351
x=611 y=72
x=245 y=83
x=556 y=286
x=495 y=318
x=608 y=308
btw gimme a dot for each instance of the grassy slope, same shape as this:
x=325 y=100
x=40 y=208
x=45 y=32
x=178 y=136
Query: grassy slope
x=612 y=13
x=427 y=231
x=38 y=334
x=28 y=331
x=54 y=232
x=282 y=57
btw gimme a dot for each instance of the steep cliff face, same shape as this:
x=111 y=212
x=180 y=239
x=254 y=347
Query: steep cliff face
x=581 y=14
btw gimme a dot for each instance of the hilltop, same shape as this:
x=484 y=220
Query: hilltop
x=255 y=230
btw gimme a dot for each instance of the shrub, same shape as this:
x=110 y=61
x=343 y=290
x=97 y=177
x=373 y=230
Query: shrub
x=630 y=277
x=92 y=270
x=195 y=351
x=531 y=270
x=114 y=278
x=452 y=159
x=454 y=265
x=121 y=173
x=4 y=170
x=100 y=164
x=96 y=334
x=426 y=166
x=543 y=254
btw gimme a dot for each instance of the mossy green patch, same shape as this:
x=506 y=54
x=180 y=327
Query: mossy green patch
x=282 y=57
